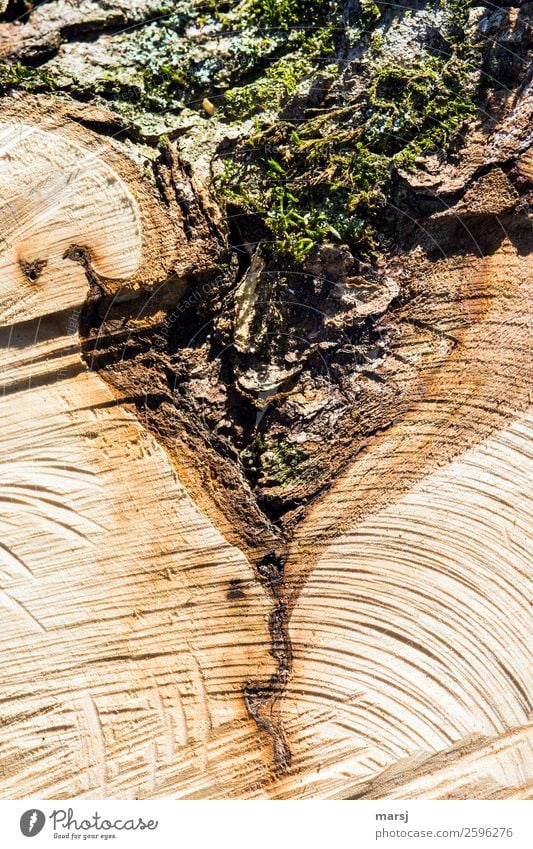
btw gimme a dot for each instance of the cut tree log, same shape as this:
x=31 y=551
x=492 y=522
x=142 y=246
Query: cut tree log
x=153 y=646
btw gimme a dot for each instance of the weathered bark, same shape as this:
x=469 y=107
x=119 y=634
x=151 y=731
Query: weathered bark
x=199 y=612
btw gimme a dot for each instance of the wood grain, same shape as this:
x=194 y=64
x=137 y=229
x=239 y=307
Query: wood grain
x=125 y=653
x=132 y=628
x=412 y=631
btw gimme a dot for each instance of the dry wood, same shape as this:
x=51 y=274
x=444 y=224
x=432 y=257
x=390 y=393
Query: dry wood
x=143 y=653
x=130 y=628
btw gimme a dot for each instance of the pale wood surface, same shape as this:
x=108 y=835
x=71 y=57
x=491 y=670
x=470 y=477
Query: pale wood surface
x=413 y=630
x=123 y=660
x=47 y=208
x=497 y=768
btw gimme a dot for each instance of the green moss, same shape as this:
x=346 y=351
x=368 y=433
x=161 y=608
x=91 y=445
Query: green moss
x=370 y=13
x=279 y=461
x=229 y=42
x=269 y=92
x=232 y=186
x=456 y=12
x=286 y=14
x=376 y=42
x=29 y=79
x=328 y=172
x=417 y=108
x=179 y=69
x=163 y=87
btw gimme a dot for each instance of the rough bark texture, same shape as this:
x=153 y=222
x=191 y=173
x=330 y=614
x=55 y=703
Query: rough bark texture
x=266 y=354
